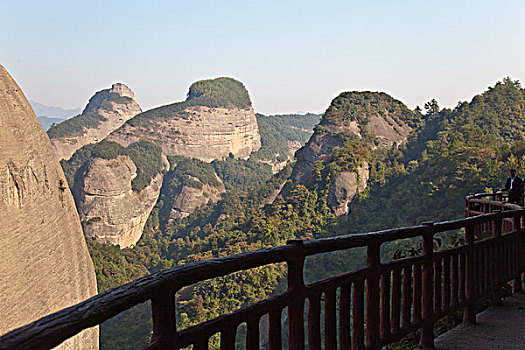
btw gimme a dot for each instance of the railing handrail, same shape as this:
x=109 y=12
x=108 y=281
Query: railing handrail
x=51 y=330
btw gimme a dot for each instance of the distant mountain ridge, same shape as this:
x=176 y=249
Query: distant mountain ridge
x=42 y=110
x=49 y=115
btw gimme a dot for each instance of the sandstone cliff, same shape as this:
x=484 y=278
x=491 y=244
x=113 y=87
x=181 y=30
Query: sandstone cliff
x=109 y=209
x=215 y=120
x=372 y=120
x=44 y=261
x=106 y=111
x=116 y=188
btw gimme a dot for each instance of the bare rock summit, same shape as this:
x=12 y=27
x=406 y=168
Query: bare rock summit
x=106 y=111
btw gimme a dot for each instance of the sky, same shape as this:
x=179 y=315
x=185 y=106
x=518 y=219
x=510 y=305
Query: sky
x=293 y=56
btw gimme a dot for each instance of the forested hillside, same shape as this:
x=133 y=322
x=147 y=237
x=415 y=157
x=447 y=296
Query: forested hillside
x=448 y=154
x=281 y=135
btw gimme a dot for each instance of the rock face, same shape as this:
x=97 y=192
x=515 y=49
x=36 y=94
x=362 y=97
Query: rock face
x=106 y=111
x=319 y=147
x=376 y=119
x=190 y=198
x=109 y=208
x=217 y=119
x=346 y=185
x=44 y=262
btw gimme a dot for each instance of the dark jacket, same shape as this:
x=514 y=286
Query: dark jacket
x=517 y=187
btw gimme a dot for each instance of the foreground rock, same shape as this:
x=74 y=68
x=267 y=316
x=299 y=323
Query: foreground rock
x=44 y=261
x=106 y=111
x=216 y=119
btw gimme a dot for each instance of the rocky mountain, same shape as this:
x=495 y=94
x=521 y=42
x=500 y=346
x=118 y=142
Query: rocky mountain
x=44 y=261
x=215 y=120
x=357 y=121
x=106 y=111
x=115 y=188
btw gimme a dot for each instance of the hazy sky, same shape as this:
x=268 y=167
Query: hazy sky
x=291 y=55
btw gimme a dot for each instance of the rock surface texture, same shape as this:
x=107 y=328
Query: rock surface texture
x=215 y=120
x=106 y=111
x=199 y=132
x=44 y=262
x=109 y=208
x=346 y=185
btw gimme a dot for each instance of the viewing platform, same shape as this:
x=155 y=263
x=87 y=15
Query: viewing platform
x=367 y=308
x=498 y=327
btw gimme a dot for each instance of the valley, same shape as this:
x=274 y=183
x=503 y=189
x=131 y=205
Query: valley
x=368 y=163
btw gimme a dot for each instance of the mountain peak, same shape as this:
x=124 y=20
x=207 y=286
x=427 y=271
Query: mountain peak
x=105 y=112
x=122 y=90
x=219 y=92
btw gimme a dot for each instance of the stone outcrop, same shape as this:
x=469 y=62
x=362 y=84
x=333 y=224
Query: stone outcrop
x=44 y=261
x=344 y=188
x=206 y=126
x=109 y=208
x=106 y=111
x=189 y=198
x=319 y=146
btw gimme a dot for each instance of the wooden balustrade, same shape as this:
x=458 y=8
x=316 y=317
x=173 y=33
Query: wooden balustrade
x=363 y=309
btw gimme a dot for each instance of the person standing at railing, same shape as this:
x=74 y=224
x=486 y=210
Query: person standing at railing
x=514 y=186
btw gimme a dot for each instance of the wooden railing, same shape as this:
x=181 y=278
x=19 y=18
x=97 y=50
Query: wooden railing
x=363 y=309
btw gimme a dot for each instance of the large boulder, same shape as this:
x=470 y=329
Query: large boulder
x=44 y=261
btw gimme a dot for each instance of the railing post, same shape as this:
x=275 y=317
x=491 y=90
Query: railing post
x=496 y=234
x=373 y=264
x=517 y=287
x=164 y=322
x=467 y=213
x=469 y=315
x=297 y=289
x=427 y=334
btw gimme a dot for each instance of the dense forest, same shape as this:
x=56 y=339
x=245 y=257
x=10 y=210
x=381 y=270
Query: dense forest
x=359 y=106
x=278 y=131
x=449 y=154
